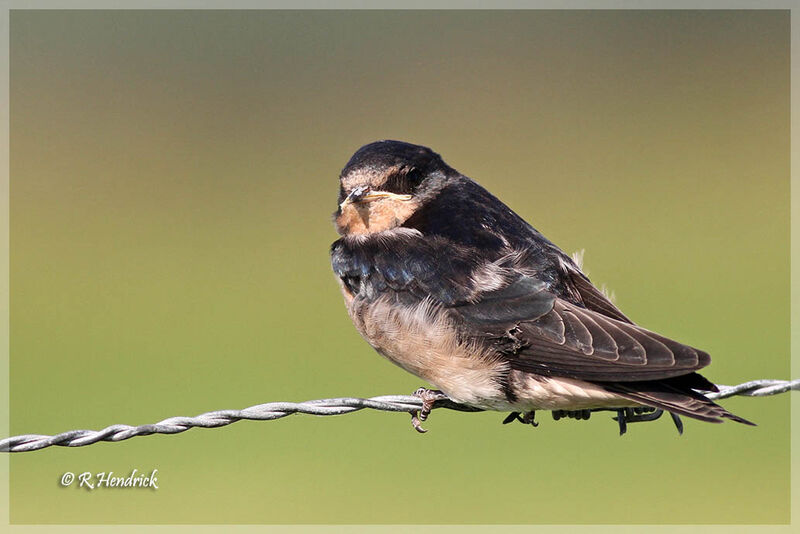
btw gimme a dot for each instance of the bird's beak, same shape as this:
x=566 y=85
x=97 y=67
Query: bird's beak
x=365 y=194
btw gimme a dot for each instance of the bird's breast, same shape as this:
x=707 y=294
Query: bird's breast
x=422 y=339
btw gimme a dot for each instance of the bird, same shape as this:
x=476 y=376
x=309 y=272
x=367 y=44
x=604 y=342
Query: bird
x=446 y=281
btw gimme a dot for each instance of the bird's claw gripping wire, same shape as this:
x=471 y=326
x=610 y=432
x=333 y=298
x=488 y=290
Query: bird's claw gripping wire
x=624 y=416
x=641 y=414
x=428 y=397
x=527 y=418
x=580 y=415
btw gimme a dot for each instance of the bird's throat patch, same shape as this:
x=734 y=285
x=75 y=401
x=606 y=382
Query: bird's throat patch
x=372 y=217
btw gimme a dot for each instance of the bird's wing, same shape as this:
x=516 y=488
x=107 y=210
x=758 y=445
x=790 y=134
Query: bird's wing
x=593 y=298
x=509 y=310
x=541 y=333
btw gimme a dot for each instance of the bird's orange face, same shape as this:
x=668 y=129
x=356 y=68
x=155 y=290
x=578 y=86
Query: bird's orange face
x=368 y=208
x=375 y=212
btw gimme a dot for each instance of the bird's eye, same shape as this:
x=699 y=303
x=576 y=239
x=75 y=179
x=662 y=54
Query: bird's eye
x=414 y=178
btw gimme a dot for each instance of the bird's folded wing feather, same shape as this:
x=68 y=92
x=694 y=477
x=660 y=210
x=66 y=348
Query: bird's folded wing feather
x=593 y=298
x=541 y=333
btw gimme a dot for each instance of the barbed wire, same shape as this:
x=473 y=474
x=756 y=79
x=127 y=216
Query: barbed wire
x=278 y=410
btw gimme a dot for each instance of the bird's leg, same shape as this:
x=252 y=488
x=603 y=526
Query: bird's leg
x=641 y=414
x=527 y=418
x=510 y=418
x=429 y=397
x=678 y=423
x=622 y=420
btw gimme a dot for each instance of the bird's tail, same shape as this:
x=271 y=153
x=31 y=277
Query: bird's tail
x=677 y=396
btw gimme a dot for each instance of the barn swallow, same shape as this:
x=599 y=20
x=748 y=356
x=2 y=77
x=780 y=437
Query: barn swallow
x=446 y=281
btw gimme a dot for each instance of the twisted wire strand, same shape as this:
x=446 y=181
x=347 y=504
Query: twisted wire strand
x=278 y=410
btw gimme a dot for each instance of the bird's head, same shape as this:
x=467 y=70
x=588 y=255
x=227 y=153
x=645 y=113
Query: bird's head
x=384 y=183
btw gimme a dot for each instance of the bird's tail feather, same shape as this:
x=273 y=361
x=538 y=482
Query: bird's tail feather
x=675 y=399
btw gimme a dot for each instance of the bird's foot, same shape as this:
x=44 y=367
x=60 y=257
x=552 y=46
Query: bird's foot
x=527 y=418
x=572 y=414
x=641 y=414
x=429 y=397
x=678 y=423
x=510 y=418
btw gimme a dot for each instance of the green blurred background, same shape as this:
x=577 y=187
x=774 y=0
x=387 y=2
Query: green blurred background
x=172 y=180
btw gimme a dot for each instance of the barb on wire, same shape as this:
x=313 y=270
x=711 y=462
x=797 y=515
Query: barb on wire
x=277 y=410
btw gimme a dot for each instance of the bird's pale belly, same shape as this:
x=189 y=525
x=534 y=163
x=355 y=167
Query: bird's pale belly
x=551 y=393
x=422 y=340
